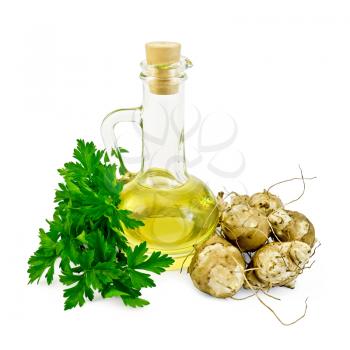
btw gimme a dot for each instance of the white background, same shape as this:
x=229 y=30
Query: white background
x=280 y=68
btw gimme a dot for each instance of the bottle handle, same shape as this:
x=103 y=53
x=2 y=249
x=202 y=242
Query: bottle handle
x=108 y=134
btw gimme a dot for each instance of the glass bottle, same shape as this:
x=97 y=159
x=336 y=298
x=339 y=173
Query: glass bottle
x=178 y=209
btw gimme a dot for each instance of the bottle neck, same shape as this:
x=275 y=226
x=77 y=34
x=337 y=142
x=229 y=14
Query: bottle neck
x=163 y=134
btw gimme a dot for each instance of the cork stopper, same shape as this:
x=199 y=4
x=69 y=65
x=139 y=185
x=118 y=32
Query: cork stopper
x=162 y=52
x=161 y=55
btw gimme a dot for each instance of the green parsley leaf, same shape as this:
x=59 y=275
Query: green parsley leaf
x=86 y=235
x=134 y=302
x=44 y=258
x=156 y=262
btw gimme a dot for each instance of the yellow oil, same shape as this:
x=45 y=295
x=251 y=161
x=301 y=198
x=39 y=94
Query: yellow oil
x=176 y=216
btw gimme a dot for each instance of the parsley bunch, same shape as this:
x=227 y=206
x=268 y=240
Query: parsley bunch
x=86 y=235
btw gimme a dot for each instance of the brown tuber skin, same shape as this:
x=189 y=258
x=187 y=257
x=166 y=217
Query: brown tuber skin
x=235 y=199
x=217 y=268
x=277 y=264
x=266 y=202
x=292 y=226
x=239 y=199
x=221 y=204
x=244 y=226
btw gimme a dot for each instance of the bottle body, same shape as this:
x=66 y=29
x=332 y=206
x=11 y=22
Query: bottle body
x=175 y=217
x=177 y=209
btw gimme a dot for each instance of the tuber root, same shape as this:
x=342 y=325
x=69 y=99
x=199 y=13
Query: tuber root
x=217 y=268
x=266 y=202
x=292 y=226
x=244 y=226
x=277 y=264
